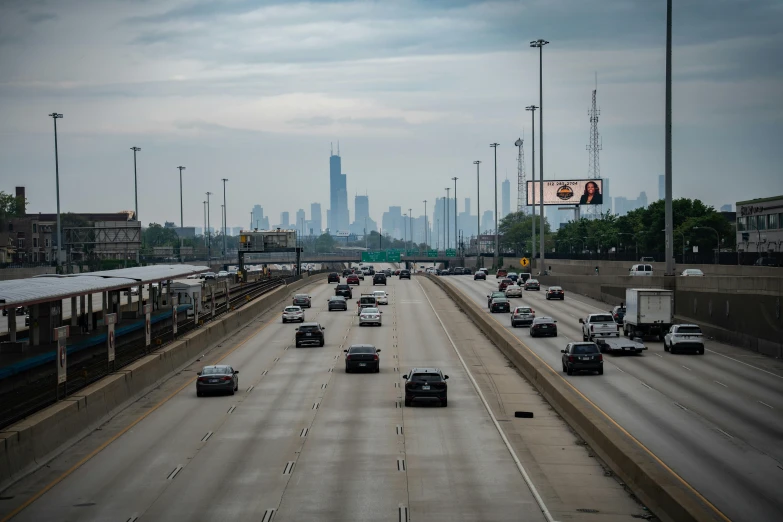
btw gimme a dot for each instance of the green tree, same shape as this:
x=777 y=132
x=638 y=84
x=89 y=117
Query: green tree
x=156 y=235
x=516 y=232
x=11 y=206
x=325 y=243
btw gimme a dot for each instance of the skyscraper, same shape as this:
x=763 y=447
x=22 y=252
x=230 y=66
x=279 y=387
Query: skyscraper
x=258 y=220
x=300 y=222
x=338 y=195
x=487 y=222
x=467 y=205
x=315 y=218
x=607 y=197
x=284 y=220
x=362 y=208
x=506 y=199
x=661 y=187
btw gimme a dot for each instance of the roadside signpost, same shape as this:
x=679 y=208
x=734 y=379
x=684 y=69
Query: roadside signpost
x=525 y=262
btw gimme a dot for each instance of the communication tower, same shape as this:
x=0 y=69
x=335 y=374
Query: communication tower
x=593 y=149
x=521 y=183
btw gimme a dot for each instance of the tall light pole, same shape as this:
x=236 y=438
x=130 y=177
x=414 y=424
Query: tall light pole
x=477 y=163
x=225 y=218
x=205 y=224
x=532 y=109
x=456 y=243
x=425 y=225
x=54 y=116
x=445 y=204
x=222 y=227
x=669 y=212
x=135 y=182
x=497 y=245
x=540 y=43
x=209 y=236
x=405 y=233
x=446 y=225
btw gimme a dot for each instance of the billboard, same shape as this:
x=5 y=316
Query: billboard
x=567 y=192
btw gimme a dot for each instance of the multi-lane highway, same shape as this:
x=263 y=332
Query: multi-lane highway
x=307 y=441
x=716 y=419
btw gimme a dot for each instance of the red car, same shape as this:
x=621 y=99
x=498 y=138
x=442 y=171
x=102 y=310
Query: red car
x=501 y=273
x=352 y=279
x=503 y=284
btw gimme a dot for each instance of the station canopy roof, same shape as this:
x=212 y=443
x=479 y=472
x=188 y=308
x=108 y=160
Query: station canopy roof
x=53 y=287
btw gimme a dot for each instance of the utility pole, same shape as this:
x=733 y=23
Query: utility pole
x=209 y=236
x=55 y=116
x=135 y=183
x=181 y=214
x=456 y=244
x=540 y=43
x=669 y=212
x=478 y=215
x=225 y=218
x=497 y=246
x=446 y=225
x=532 y=109
x=223 y=227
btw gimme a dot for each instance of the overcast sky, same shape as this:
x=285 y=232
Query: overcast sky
x=415 y=91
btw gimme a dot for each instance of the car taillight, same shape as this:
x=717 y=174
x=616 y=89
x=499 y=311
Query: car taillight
x=600 y=357
x=375 y=357
x=225 y=378
x=202 y=379
x=410 y=384
x=570 y=358
x=348 y=357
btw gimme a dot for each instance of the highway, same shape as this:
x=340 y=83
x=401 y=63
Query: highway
x=304 y=441
x=716 y=419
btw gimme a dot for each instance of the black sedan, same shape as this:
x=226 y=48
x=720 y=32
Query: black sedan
x=220 y=378
x=555 y=292
x=543 y=326
x=500 y=305
x=337 y=302
x=582 y=357
x=480 y=275
x=362 y=357
x=333 y=277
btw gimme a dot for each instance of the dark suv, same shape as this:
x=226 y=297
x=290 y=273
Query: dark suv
x=310 y=334
x=344 y=290
x=333 y=277
x=379 y=279
x=405 y=274
x=426 y=384
x=579 y=357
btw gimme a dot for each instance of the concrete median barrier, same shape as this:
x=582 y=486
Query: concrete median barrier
x=655 y=484
x=34 y=441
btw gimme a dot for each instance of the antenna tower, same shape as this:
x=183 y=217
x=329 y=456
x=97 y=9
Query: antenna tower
x=521 y=183
x=593 y=149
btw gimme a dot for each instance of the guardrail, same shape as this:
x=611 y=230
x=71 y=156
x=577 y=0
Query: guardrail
x=37 y=390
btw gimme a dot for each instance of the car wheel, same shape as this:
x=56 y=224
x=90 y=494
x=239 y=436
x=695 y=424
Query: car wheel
x=584 y=338
x=378 y=369
x=444 y=403
x=665 y=347
x=298 y=345
x=701 y=351
x=232 y=392
x=283 y=321
x=601 y=371
x=198 y=393
x=564 y=366
x=407 y=402
x=569 y=371
x=347 y=370
x=322 y=343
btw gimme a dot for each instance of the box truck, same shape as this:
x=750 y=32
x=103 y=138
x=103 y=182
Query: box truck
x=649 y=312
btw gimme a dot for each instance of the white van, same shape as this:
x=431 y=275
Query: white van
x=641 y=270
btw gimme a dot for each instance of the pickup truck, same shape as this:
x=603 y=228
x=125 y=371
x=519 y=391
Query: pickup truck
x=599 y=325
x=620 y=345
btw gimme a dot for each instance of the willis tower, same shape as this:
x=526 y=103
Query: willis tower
x=338 y=195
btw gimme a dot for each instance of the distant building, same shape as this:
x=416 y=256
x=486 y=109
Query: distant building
x=487 y=222
x=300 y=222
x=607 y=196
x=661 y=187
x=505 y=199
x=624 y=205
x=392 y=222
x=338 y=218
x=258 y=220
x=284 y=220
x=727 y=208
x=760 y=225
x=315 y=218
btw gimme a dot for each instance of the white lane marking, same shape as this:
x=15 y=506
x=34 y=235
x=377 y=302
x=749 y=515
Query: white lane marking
x=620 y=369
x=659 y=355
x=174 y=473
x=767 y=405
x=746 y=364
x=646 y=385
x=720 y=430
x=686 y=367
x=718 y=382
x=522 y=471
x=680 y=406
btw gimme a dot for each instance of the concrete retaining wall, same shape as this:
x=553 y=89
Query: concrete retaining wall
x=655 y=485
x=37 y=439
x=615 y=268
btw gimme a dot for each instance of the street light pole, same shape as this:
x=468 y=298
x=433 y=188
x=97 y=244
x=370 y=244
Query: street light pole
x=669 y=212
x=456 y=242
x=497 y=247
x=446 y=224
x=477 y=163
x=426 y=226
x=405 y=233
x=209 y=236
x=205 y=223
x=540 y=43
x=223 y=227
x=135 y=182
x=54 y=116
x=410 y=226
x=225 y=218
x=532 y=109
x=181 y=214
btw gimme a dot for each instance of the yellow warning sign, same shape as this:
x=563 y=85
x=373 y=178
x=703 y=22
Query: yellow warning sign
x=525 y=262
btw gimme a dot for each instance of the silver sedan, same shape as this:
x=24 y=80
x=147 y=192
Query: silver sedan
x=370 y=316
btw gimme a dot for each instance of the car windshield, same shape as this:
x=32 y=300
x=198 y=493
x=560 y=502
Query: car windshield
x=601 y=319
x=361 y=349
x=426 y=377
x=215 y=370
x=370 y=311
x=689 y=330
x=337 y=298
x=532 y=281
x=292 y=308
x=585 y=348
x=308 y=328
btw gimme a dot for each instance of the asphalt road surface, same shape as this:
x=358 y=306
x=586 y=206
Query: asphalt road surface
x=715 y=419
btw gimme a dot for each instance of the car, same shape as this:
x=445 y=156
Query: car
x=684 y=338
x=381 y=297
x=19 y=311
x=555 y=292
x=480 y=275
x=692 y=272
x=618 y=313
x=522 y=316
x=293 y=314
x=310 y=334
x=582 y=357
x=524 y=276
x=504 y=283
x=485 y=270
x=647 y=260
x=193 y=276
x=362 y=357
x=405 y=274
x=370 y=316
x=337 y=302
x=352 y=279
x=397 y=272
x=599 y=325
x=532 y=284
x=501 y=273
x=500 y=305
x=543 y=326
x=222 y=274
x=445 y=272
x=766 y=261
x=344 y=290
x=210 y=275
x=347 y=272
x=426 y=384
x=494 y=295
x=641 y=270
x=303 y=300
x=360 y=275
x=333 y=277
x=467 y=271
x=513 y=276
x=218 y=378
x=379 y=279
x=513 y=291
x=388 y=272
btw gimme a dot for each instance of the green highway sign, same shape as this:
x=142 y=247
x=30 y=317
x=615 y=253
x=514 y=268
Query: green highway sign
x=373 y=257
x=412 y=253
x=432 y=253
x=451 y=252
x=392 y=256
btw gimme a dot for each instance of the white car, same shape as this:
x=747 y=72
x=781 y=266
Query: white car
x=293 y=314
x=684 y=338
x=193 y=276
x=691 y=272
x=370 y=316
x=513 y=291
x=381 y=297
x=222 y=273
